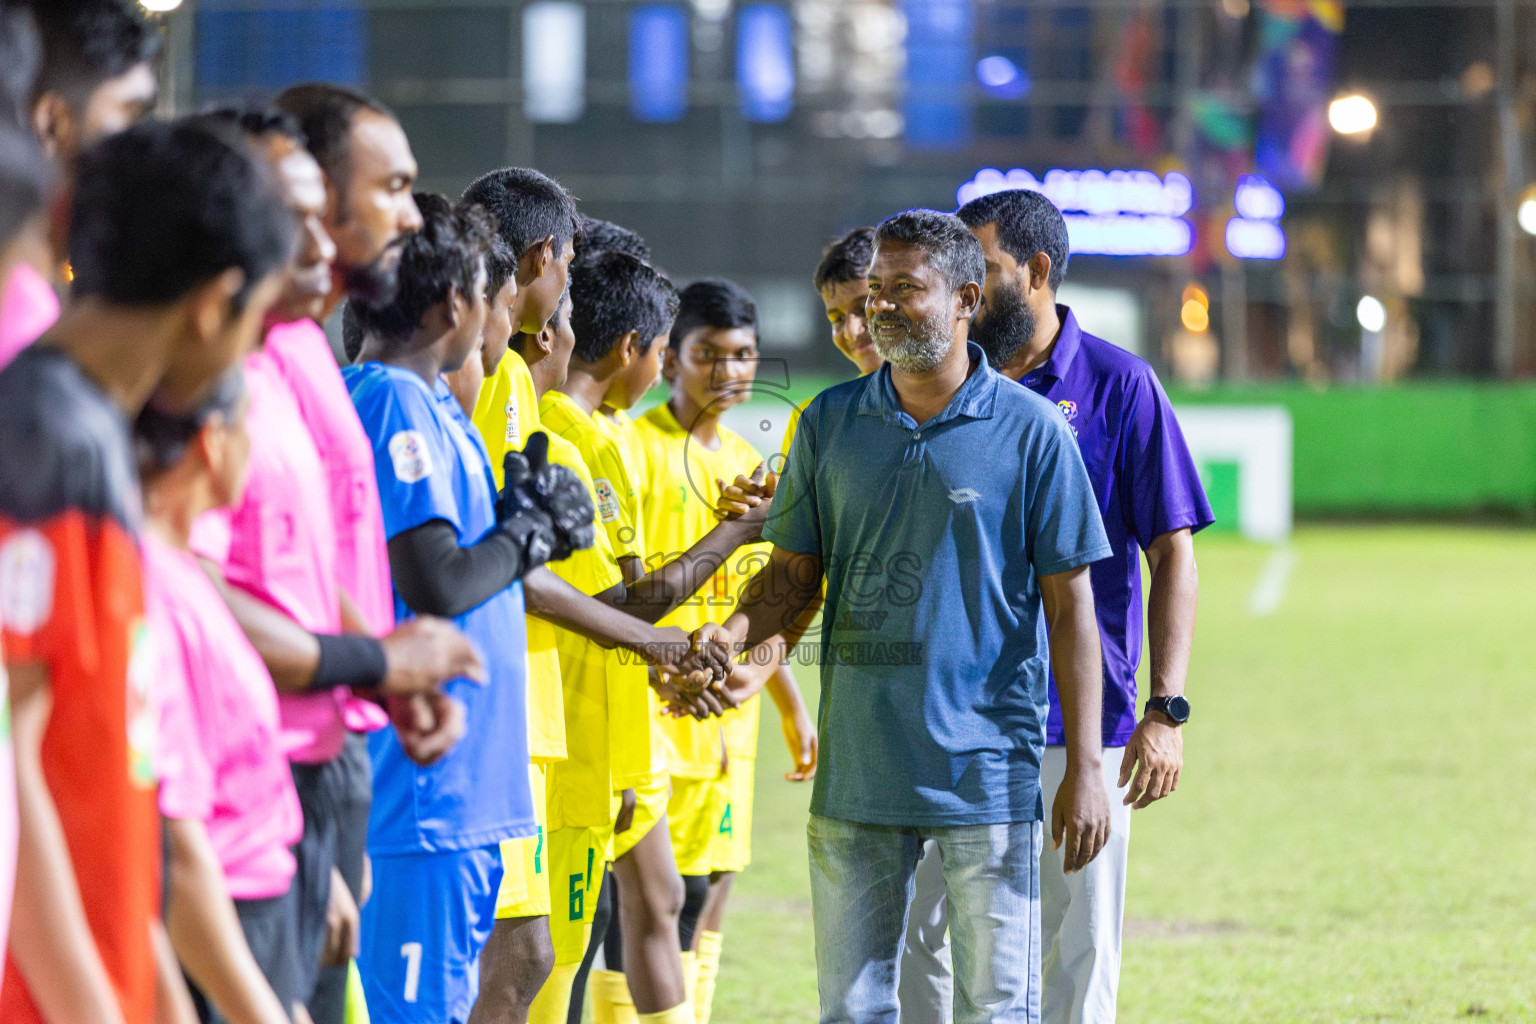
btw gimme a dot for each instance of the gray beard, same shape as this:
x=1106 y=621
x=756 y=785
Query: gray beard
x=923 y=348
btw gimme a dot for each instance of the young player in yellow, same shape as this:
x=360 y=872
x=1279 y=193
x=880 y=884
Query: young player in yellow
x=622 y=311
x=537 y=220
x=710 y=364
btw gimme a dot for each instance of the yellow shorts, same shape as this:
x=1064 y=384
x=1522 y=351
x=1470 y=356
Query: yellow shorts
x=576 y=865
x=692 y=818
x=731 y=843
x=650 y=805
x=524 y=888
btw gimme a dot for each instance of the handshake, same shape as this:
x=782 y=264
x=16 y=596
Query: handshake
x=544 y=507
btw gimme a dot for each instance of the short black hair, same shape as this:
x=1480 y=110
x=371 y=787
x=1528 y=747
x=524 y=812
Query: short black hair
x=449 y=250
x=599 y=236
x=160 y=439
x=613 y=294
x=88 y=42
x=951 y=248
x=25 y=176
x=846 y=259
x=500 y=265
x=325 y=113
x=21 y=55
x=167 y=205
x=712 y=302
x=529 y=206
x=1027 y=223
x=257 y=121
x=352 y=332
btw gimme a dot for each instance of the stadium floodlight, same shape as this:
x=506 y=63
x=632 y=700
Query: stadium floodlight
x=1371 y=314
x=1525 y=215
x=1195 y=316
x=159 y=6
x=1352 y=114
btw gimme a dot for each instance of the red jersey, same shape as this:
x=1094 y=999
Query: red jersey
x=71 y=599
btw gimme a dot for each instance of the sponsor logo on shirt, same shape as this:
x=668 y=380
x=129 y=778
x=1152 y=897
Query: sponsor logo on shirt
x=607 y=500
x=26 y=582
x=964 y=495
x=408 y=451
x=514 y=436
x=1069 y=412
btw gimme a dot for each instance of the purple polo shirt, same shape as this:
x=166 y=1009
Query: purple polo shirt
x=1144 y=481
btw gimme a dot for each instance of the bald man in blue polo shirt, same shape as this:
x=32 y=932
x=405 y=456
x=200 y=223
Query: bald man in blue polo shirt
x=952 y=516
x=1150 y=497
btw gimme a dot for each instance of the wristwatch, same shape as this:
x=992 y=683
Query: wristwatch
x=1176 y=708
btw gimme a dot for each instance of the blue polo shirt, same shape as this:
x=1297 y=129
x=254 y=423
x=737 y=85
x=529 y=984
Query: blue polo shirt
x=1144 y=481
x=934 y=661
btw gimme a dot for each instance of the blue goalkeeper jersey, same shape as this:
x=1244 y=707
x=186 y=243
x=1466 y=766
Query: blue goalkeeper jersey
x=431 y=464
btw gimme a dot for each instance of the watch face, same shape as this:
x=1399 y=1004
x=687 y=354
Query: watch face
x=1178 y=709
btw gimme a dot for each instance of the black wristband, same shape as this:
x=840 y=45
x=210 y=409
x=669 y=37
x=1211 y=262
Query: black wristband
x=349 y=660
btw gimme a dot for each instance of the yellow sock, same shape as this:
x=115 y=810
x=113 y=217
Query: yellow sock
x=709 y=969
x=682 y=1013
x=690 y=975
x=609 y=996
x=553 y=1003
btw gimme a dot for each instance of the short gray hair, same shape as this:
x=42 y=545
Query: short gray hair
x=951 y=248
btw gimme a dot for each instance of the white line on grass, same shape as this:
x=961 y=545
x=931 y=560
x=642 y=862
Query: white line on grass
x=1269 y=591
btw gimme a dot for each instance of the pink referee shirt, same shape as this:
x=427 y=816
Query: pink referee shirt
x=303 y=356
x=234 y=775
x=28 y=307
x=279 y=545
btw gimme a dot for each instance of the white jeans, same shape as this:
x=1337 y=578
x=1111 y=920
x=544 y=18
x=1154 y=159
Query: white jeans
x=1081 y=914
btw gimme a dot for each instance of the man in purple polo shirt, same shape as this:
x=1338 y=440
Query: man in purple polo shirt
x=1151 y=500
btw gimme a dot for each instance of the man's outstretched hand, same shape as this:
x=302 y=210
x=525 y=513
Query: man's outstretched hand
x=424 y=653
x=748 y=498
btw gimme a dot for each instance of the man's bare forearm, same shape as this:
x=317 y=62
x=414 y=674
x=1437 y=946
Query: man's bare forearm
x=1077 y=661
x=1171 y=601
x=606 y=623
x=290 y=652
x=655 y=594
x=776 y=599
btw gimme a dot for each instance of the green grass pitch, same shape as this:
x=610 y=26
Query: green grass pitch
x=1354 y=838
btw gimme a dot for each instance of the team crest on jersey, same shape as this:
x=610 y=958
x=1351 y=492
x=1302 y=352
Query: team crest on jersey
x=607 y=500
x=408 y=451
x=1068 y=409
x=26 y=582
x=514 y=435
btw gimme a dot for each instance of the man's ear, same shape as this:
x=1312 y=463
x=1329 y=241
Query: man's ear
x=1039 y=271
x=534 y=261
x=211 y=304
x=53 y=119
x=669 y=361
x=628 y=348
x=454 y=305
x=545 y=340
x=969 y=297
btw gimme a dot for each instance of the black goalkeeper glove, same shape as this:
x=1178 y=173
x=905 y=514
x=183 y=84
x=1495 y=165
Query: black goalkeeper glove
x=532 y=481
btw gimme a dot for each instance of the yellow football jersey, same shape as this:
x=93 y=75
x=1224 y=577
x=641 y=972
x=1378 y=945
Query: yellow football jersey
x=627 y=731
x=680 y=494
x=507 y=411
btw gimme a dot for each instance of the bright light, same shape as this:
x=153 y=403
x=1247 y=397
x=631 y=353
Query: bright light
x=554 y=61
x=1091 y=191
x=1195 y=316
x=1371 y=314
x=1351 y=115
x=996 y=71
x=1255 y=239
x=1257 y=199
x=1194 y=293
x=1525 y=216
x=1128 y=235
x=159 y=6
